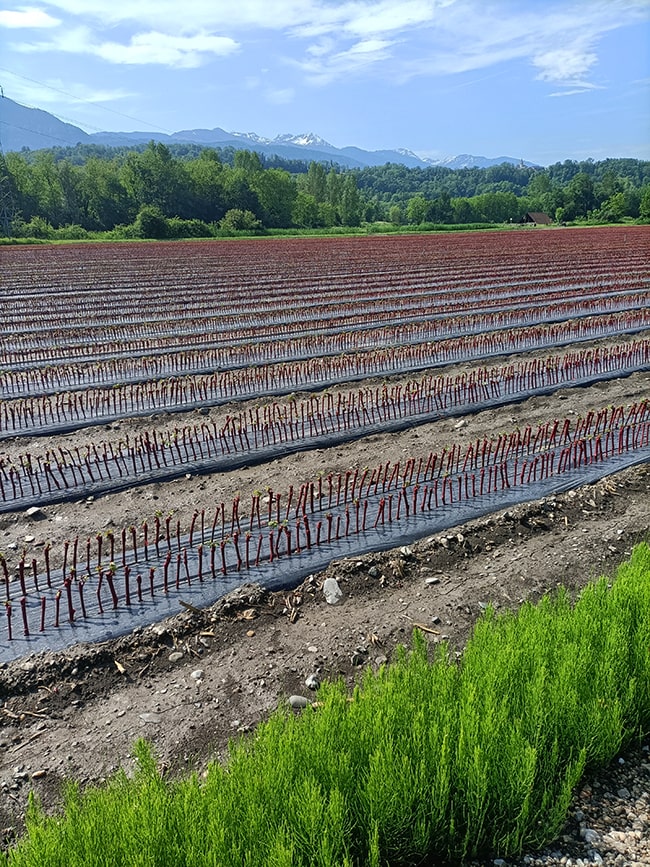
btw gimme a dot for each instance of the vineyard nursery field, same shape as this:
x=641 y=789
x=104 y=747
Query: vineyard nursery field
x=240 y=403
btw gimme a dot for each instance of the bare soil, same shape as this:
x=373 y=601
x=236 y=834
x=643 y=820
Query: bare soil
x=76 y=714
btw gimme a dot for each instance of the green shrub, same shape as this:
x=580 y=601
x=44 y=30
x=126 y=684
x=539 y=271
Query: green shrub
x=150 y=223
x=238 y=220
x=73 y=232
x=426 y=761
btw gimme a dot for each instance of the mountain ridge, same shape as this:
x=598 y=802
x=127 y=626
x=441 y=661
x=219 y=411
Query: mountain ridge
x=33 y=128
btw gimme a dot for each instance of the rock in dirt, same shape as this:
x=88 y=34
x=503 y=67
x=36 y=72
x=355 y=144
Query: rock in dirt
x=245 y=596
x=298 y=701
x=176 y=656
x=332 y=592
x=35 y=513
x=197 y=674
x=312 y=682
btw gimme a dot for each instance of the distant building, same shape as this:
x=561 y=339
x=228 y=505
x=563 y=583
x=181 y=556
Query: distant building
x=537 y=217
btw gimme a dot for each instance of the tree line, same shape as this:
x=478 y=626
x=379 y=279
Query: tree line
x=158 y=191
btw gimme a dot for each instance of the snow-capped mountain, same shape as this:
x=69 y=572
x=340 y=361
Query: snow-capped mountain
x=251 y=136
x=467 y=161
x=33 y=128
x=306 y=139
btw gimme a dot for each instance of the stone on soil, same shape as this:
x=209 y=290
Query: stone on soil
x=35 y=513
x=332 y=592
x=312 y=682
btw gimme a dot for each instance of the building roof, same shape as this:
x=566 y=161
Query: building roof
x=538 y=217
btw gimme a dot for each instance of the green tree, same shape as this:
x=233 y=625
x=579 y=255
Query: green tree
x=71 y=180
x=609 y=184
x=248 y=162
x=238 y=194
x=417 y=210
x=334 y=188
x=350 y=206
x=497 y=207
x=542 y=194
x=207 y=178
x=105 y=202
x=463 y=211
x=306 y=213
x=154 y=177
x=328 y=214
x=613 y=209
x=8 y=194
x=48 y=189
x=644 y=204
x=25 y=187
x=580 y=197
x=276 y=193
x=440 y=209
x=316 y=181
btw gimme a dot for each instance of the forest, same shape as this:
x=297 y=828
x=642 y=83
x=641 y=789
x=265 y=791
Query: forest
x=157 y=191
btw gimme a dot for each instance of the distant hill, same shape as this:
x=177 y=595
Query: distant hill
x=22 y=127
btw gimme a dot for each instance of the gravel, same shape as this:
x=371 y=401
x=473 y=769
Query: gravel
x=608 y=823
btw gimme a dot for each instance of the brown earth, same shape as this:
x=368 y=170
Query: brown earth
x=77 y=714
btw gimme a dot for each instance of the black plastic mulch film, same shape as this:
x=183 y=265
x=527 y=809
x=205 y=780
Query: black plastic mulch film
x=104 y=593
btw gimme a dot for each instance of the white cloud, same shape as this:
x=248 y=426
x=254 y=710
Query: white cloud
x=358 y=57
x=167 y=50
x=143 y=48
x=572 y=92
x=281 y=96
x=27 y=17
x=170 y=15
x=330 y=39
x=303 y=18
x=358 y=19
x=570 y=63
x=322 y=47
x=55 y=92
x=82 y=93
x=559 y=39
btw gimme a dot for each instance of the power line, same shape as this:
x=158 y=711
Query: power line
x=85 y=101
x=44 y=135
x=7 y=209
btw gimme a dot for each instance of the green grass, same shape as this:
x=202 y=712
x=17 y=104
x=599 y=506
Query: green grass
x=64 y=235
x=428 y=761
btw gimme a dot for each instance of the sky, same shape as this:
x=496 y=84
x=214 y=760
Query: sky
x=541 y=80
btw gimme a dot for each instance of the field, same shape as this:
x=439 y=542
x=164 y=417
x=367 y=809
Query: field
x=436 y=422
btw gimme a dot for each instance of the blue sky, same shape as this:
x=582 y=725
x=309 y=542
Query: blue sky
x=545 y=80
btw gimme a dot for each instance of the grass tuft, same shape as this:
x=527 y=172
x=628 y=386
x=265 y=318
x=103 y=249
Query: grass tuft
x=429 y=761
